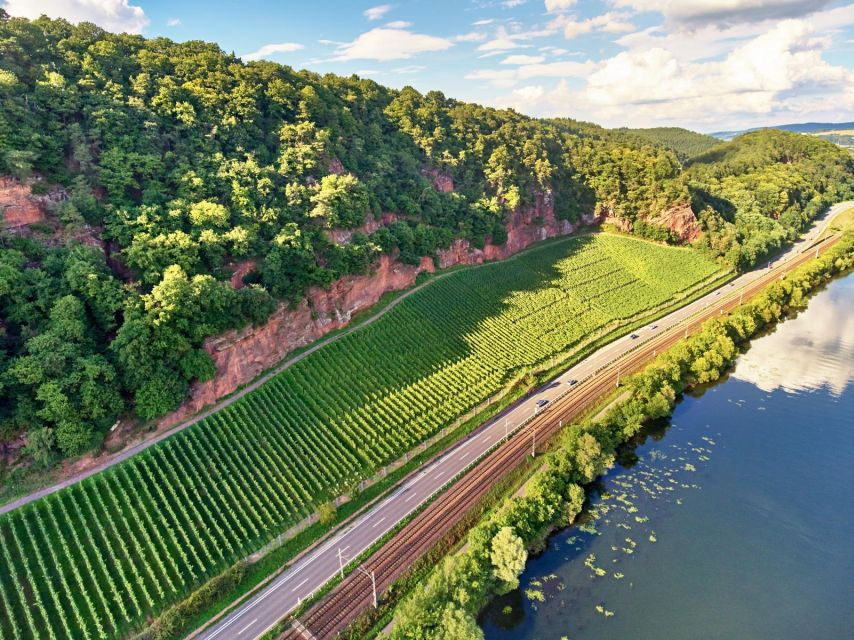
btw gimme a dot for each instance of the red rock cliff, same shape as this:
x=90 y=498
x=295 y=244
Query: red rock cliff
x=681 y=220
x=18 y=204
x=241 y=355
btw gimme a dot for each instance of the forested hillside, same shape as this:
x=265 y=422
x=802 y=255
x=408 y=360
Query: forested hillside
x=754 y=194
x=685 y=143
x=173 y=163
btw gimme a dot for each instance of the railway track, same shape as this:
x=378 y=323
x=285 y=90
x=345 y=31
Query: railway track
x=354 y=594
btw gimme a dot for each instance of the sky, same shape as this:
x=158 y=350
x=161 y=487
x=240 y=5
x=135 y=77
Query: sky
x=706 y=65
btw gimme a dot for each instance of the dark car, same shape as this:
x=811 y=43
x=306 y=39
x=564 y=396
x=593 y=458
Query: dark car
x=572 y=382
x=634 y=336
x=543 y=402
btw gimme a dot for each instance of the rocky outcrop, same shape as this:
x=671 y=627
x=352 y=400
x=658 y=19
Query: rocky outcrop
x=343 y=236
x=241 y=270
x=241 y=355
x=681 y=220
x=621 y=224
x=18 y=204
x=442 y=182
x=333 y=165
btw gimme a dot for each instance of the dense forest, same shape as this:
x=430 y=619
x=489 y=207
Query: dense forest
x=176 y=161
x=684 y=143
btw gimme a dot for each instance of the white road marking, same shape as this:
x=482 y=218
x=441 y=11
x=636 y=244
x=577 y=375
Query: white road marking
x=246 y=627
x=377 y=522
x=438 y=475
x=411 y=495
x=294 y=589
x=464 y=456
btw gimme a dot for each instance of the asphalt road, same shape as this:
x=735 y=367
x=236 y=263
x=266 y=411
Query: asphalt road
x=286 y=592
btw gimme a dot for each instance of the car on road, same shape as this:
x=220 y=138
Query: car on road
x=542 y=402
x=653 y=327
x=572 y=381
x=717 y=293
x=634 y=336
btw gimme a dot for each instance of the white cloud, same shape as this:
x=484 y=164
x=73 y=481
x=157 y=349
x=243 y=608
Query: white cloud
x=574 y=28
x=766 y=75
x=113 y=15
x=521 y=59
x=510 y=77
x=496 y=77
x=501 y=42
x=173 y=22
x=695 y=13
x=711 y=41
x=375 y=13
x=564 y=69
x=472 y=36
x=556 y=6
x=399 y=24
x=505 y=40
x=389 y=44
x=270 y=49
x=611 y=22
x=410 y=68
x=537 y=99
x=780 y=71
x=509 y=4
x=530 y=93
x=481 y=23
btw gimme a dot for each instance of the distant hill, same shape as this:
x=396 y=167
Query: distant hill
x=798 y=127
x=684 y=142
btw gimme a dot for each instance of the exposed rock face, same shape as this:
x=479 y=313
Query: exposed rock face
x=441 y=181
x=241 y=355
x=241 y=270
x=681 y=220
x=620 y=223
x=333 y=165
x=18 y=204
x=343 y=236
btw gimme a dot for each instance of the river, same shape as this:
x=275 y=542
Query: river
x=734 y=519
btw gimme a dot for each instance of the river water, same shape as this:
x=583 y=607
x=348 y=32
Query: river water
x=735 y=519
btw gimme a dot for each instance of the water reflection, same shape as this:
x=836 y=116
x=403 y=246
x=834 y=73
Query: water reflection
x=817 y=351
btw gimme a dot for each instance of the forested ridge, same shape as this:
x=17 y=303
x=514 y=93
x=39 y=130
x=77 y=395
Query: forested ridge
x=182 y=161
x=685 y=143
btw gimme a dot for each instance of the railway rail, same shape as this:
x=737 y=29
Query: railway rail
x=354 y=593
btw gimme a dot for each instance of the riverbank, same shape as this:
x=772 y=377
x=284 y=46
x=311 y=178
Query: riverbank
x=461 y=585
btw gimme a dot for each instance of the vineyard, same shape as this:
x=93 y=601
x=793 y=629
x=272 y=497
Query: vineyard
x=94 y=560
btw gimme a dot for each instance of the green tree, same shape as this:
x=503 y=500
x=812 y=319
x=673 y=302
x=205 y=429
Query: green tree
x=340 y=201
x=40 y=443
x=508 y=555
x=209 y=214
x=457 y=624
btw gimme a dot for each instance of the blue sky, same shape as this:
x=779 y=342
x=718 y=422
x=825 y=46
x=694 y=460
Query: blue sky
x=703 y=64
